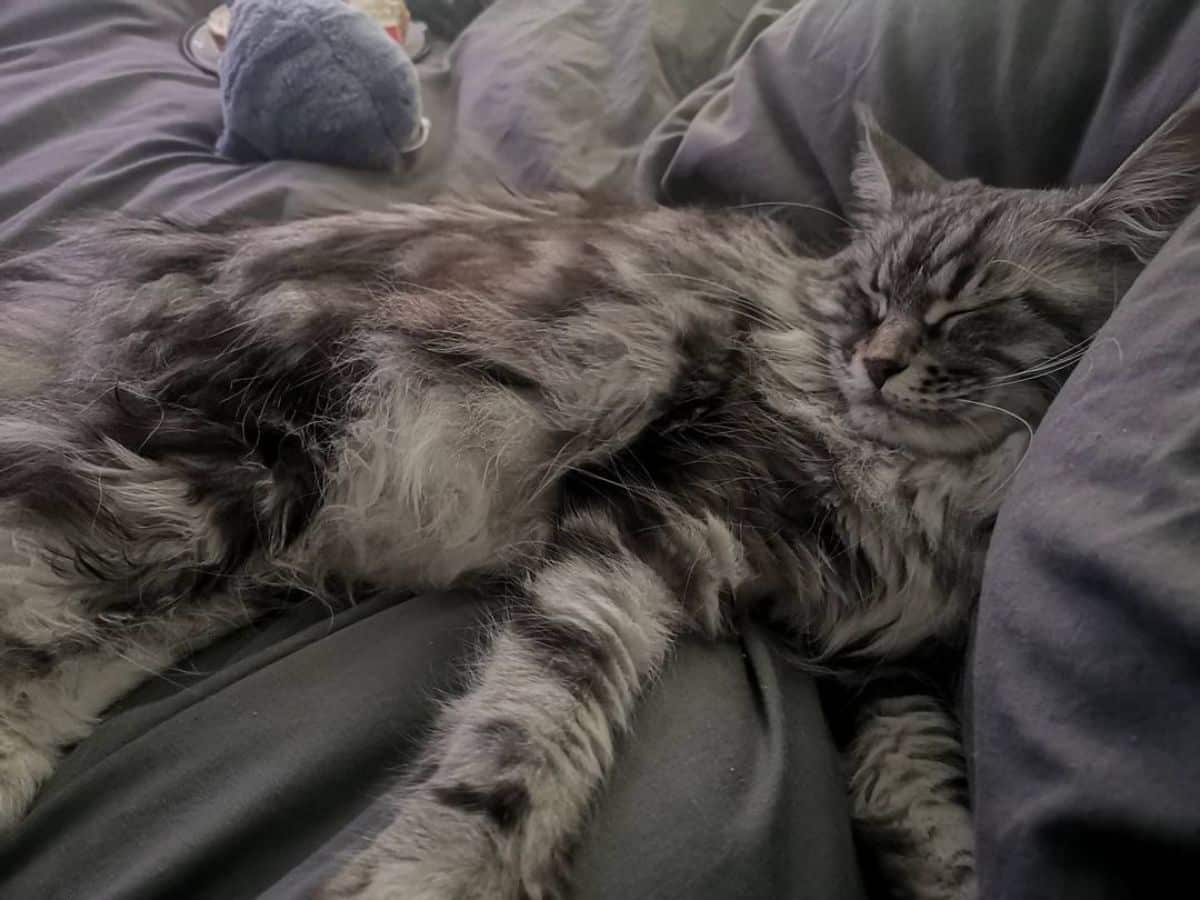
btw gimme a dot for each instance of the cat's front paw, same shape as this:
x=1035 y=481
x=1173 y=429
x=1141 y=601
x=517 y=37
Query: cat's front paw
x=378 y=876
x=430 y=852
x=23 y=769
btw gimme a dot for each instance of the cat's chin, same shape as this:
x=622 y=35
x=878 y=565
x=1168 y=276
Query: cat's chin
x=933 y=435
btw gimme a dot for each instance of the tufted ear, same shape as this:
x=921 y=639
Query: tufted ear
x=1149 y=195
x=885 y=169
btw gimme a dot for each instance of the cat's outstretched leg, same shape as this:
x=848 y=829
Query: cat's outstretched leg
x=110 y=570
x=498 y=805
x=47 y=703
x=908 y=797
x=52 y=693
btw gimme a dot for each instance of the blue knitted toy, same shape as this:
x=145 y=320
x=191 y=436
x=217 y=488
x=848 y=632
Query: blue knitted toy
x=318 y=81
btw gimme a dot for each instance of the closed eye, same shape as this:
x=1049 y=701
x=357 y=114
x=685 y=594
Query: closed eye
x=949 y=314
x=938 y=325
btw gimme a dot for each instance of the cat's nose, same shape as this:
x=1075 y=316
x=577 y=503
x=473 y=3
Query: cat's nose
x=881 y=368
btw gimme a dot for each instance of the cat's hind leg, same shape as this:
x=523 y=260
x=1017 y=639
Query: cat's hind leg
x=53 y=693
x=113 y=564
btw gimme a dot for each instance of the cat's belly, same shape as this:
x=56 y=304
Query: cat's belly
x=429 y=487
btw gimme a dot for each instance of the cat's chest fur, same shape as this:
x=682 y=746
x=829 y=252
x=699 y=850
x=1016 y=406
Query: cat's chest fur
x=855 y=546
x=911 y=533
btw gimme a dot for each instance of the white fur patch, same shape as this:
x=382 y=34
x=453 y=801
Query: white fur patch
x=432 y=482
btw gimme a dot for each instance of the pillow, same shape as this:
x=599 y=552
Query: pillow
x=1026 y=93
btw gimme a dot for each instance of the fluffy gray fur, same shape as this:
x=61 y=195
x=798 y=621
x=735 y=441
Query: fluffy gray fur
x=636 y=423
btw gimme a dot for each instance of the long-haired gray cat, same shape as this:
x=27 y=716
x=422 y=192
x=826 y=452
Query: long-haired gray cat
x=635 y=424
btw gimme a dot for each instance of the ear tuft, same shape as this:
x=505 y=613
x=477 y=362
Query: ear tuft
x=886 y=169
x=1149 y=195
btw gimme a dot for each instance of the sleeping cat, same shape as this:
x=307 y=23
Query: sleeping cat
x=635 y=424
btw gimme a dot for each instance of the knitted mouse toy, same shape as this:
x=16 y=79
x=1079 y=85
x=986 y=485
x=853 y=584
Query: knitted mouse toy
x=316 y=80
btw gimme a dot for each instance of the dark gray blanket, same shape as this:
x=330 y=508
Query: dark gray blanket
x=236 y=777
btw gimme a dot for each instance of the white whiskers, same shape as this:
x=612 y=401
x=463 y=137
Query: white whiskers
x=1011 y=415
x=808 y=206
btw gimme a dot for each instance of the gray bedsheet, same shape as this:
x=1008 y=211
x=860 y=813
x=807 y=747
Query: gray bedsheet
x=1085 y=672
x=100 y=111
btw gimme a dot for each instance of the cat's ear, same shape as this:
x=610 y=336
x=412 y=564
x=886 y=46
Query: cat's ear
x=1152 y=191
x=885 y=169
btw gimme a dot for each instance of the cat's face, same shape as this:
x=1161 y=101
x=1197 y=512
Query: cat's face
x=963 y=307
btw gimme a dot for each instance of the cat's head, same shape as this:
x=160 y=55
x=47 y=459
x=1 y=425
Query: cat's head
x=962 y=306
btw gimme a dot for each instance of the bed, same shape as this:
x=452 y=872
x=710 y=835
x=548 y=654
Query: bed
x=251 y=769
